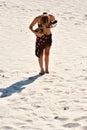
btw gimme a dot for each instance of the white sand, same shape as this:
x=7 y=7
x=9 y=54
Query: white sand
x=57 y=101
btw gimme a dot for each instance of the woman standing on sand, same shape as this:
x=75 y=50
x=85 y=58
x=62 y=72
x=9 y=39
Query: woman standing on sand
x=43 y=38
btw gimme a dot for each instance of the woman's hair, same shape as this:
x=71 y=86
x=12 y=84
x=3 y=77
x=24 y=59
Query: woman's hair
x=44 y=19
x=45 y=13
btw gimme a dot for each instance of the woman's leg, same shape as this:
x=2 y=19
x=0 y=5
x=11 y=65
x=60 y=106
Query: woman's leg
x=40 y=60
x=47 y=51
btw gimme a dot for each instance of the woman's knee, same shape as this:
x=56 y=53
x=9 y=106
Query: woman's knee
x=47 y=53
x=41 y=55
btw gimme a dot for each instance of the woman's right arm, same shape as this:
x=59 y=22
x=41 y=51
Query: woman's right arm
x=31 y=27
x=32 y=24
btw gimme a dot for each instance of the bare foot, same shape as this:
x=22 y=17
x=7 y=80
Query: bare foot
x=42 y=72
x=47 y=72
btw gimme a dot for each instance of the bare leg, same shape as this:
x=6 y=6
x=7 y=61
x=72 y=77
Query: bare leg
x=47 y=50
x=40 y=60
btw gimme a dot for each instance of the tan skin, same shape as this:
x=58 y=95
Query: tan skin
x=47 y=49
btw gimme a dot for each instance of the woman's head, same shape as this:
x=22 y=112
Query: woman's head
x=45 y=13
x=44 y=19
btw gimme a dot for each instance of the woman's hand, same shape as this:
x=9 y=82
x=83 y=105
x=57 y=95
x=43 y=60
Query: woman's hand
x=38 y=34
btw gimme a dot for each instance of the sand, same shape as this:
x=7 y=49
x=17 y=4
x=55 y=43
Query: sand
x=54 y=101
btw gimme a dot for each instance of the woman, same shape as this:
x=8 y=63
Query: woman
x=43 y=38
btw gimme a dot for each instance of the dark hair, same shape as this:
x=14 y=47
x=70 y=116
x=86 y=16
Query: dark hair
x=45 y=13
x=44 y=19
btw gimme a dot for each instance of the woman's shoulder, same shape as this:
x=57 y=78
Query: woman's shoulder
x=38 y=18
x=51 y=17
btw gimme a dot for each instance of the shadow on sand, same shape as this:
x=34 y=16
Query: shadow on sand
x=18 y=86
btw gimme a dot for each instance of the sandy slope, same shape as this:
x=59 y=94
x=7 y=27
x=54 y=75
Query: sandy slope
x=57 y=101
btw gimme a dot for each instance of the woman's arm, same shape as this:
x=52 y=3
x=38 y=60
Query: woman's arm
x=31 y=27
x=32 y=24
x=53 y=21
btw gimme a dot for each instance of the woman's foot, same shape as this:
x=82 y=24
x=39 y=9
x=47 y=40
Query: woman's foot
x=47 y=72
x=41 y=72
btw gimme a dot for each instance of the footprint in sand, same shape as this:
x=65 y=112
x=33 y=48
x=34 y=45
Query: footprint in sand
x=85 y=78
x=85 y=16
x=4 y=4
x=0 y=5
x=7 y=128
x=77 y=23
x=68 y=13
x=71 y=125
x=84 y=128
x=29 y=120
x=83 y=89
x=84 y=97
x=71 y=18
x=47 y=89
x=15 y=7
x=84 y=70
x=81 y=77
x=67 y=69
x=1 y=73
x=25 y=127
x=80 y=118
x=60 y=118
x=77 y=101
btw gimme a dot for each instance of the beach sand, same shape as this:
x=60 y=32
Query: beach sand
x=54 y=101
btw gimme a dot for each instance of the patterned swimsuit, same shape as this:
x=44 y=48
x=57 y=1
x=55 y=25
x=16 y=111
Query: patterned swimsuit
x=42 y=43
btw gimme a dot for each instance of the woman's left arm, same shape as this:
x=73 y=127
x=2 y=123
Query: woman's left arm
x=53 y=21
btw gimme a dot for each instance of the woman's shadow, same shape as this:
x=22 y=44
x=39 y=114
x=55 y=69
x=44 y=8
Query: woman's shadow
x=18 y=86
